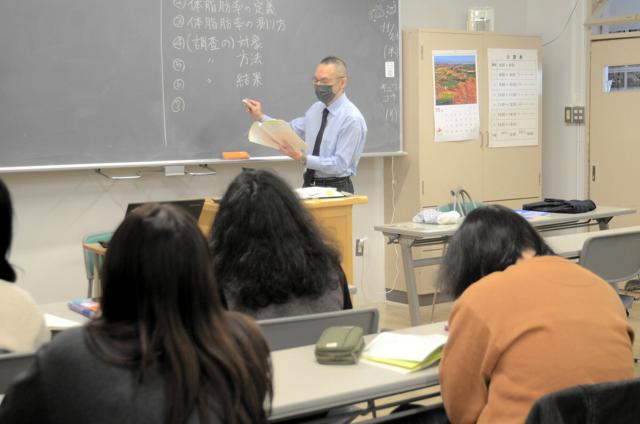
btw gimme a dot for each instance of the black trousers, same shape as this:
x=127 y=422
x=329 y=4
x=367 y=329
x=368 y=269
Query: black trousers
x=340 y=183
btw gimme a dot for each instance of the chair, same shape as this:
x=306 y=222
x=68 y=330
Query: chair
x=301 y=330
x=413 y=414
x=91 y=259
x=614 y=257
x=12 y=364
x=603 y=403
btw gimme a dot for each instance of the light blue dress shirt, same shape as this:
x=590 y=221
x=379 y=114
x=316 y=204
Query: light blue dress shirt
x=342 y=141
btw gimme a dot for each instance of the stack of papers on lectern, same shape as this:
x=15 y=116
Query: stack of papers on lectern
x=408 y=352
x=318 y=192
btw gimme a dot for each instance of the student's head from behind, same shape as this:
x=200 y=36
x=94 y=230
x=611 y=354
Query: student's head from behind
x=490 y=239
x=6 y=215
x=157 y=269
x=266 y=246
x=161 y=309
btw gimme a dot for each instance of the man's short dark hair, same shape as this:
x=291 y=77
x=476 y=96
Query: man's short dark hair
x=341 y=67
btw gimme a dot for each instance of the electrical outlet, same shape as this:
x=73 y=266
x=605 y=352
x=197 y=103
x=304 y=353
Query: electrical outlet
x=578 y=115
x=574 y=114
x=360 y=246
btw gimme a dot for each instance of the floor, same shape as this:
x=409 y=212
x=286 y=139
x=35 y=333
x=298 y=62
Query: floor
x=395 y=316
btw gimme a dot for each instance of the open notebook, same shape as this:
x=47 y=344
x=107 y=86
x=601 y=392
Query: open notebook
x=408 y=352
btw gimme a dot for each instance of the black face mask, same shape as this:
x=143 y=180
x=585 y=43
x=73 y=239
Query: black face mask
x=324 y=93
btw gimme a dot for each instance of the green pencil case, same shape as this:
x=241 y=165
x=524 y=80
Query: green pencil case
x=339 y=345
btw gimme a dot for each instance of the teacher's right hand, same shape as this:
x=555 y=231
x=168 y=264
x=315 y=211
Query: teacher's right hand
x=254 y=108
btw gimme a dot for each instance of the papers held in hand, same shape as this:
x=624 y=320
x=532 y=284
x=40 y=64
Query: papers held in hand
x=275 y=133
x=407 y=351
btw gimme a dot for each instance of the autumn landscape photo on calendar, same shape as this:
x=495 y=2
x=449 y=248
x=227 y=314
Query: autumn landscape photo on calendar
x=455 y=79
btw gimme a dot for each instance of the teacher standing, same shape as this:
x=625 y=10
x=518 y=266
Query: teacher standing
x=333 y=128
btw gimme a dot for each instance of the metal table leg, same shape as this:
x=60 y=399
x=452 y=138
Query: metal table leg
x=410 y=280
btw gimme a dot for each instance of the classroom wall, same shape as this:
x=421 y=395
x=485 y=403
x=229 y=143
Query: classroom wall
x=452 y=14
x=564 y=152
x=54 y=210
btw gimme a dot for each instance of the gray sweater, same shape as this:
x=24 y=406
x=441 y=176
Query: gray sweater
x=331 y=300
x=68 y=383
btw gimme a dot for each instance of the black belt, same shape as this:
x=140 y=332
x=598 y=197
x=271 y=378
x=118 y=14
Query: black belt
x=329 y=180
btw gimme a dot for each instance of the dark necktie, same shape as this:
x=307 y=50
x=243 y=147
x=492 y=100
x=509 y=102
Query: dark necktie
x=309 y=174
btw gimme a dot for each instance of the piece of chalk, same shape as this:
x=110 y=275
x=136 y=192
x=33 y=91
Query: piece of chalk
x=245 y=101
x=235 y=155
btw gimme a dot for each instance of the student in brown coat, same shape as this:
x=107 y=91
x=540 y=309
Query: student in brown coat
x=524 y=322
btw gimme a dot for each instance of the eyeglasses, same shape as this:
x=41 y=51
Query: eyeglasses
x=324 y=81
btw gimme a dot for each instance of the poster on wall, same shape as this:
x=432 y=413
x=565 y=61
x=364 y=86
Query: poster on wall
x=513 y=97
x=455 y=93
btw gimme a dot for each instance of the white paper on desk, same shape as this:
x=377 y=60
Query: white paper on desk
x=404 y=347
x=317 y=192
x=275 y=133
x=54 y=322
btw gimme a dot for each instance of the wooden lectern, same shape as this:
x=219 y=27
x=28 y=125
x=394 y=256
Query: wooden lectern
x=334 y=216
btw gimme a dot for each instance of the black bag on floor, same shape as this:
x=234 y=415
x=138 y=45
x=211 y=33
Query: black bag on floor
x=561 y=206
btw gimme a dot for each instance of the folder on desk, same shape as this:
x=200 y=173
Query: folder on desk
x=409 y=351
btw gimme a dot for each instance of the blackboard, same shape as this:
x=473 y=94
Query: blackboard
x=95 y=83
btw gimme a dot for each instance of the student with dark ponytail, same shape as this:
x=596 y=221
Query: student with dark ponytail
x=163 y=350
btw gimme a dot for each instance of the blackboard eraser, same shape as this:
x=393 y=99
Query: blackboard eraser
x=235 y=155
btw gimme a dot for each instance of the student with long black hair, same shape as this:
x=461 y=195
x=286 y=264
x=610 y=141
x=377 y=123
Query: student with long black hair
x=22 y=327
x=524 y=322
x=269 y=256
x=162 y=350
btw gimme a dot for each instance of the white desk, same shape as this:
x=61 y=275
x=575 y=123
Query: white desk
x=302 y=386
x=60 y=309
x=570 y=245
x=409 y=234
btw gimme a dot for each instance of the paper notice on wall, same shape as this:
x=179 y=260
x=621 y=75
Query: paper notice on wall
x=455 y=93
x=389 y=69
x=513 y=97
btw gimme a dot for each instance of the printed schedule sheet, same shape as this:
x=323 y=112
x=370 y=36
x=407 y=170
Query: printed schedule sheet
x=513 y=97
